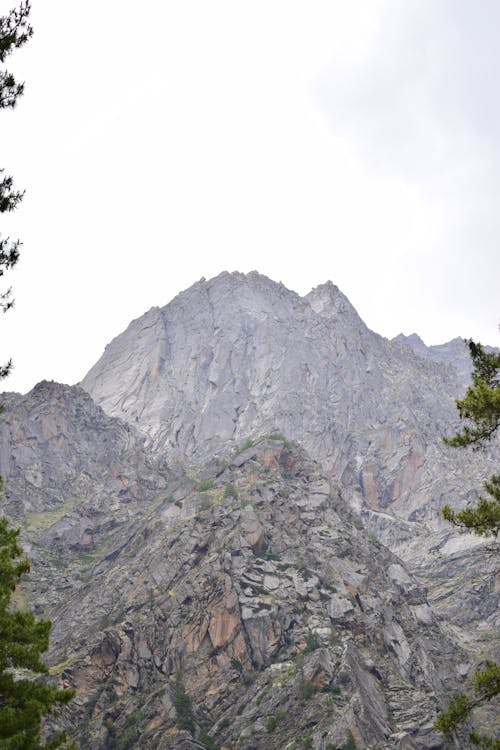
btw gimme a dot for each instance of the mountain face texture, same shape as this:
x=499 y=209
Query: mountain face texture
x=287 y=623
x=234 y=525
x=241 y=356
x=454 y=353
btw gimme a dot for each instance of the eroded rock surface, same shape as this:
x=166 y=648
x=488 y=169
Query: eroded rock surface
x=266 y=594
x=240 y=356
x=172 y=552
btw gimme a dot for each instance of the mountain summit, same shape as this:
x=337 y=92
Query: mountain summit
x=193 y=538
x=240 y=355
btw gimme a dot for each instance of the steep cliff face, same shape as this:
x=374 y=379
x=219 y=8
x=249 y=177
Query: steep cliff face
x=259 y=594
x=241 y=355
x=71 y=475
x=204 y=595
x=454 y=353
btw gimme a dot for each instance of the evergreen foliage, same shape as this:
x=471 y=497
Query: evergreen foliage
x=484 y=518
x=15 y=31
x=183 y=705
x=481 y=403
x=24 y=700
x=481 y=407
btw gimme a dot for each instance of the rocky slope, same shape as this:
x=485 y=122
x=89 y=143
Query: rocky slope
x=453 y=353
x=208 y=596
x=241 y=355
x=71 y=476
x=253 y=590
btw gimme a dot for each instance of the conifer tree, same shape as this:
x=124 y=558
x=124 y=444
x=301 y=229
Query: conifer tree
x=481 y=408
x=15 y=31
x=24 y=700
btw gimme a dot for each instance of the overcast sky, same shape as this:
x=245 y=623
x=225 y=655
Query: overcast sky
x=163 y=141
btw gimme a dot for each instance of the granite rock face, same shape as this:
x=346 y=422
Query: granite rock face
x=240 y=356
x=213 y=583
x=260 y=591
x=454 y=353
x=71 y=475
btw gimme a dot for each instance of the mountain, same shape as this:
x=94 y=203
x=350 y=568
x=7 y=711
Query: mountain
x=454 y=353
x=239 y=356
x=234 y=525
x=286 y=621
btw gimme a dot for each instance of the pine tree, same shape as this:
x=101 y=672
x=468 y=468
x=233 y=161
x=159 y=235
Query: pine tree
x=481 y=407
x=24 y=700
x=15 y=31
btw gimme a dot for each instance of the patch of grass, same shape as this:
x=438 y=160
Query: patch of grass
x=57 y=668
x=44 y=520
x=278 y=436
x=489 y=636
x=247 y=444
x=207 y=484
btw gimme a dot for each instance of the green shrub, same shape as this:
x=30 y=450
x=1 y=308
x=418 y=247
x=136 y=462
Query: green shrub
x=230 y=491
x=332 y=689
x=374 y=538
x=279 y=436
x=207 y=484
x=350 y=743
x=247 y=444
x=205 y=504
x=104 y=622
x=207 y=741
x=248 y=677
x=236 y=664
x=183 y=705
x=306 y=689
x=312 y=642
x=273 y=721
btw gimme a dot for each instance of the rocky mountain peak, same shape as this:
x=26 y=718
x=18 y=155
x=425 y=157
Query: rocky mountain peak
x=328 y=301
x=206 y=519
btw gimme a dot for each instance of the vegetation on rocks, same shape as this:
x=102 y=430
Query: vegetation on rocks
x=24 y=701
x=15 y=30
x=481 y=407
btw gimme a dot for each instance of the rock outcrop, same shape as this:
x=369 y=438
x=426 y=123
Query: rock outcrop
x=242 y=356
x=215 y=584
x=258 y=594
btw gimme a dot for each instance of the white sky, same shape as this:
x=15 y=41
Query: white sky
x=163 y=141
